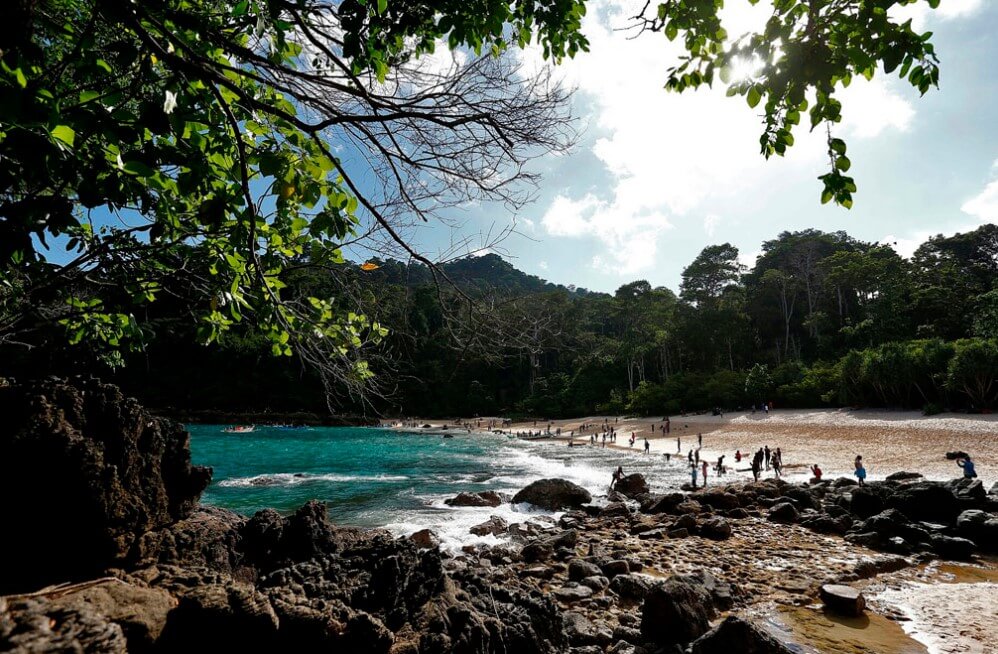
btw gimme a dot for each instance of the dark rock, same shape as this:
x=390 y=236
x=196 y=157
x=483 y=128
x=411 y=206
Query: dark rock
x=952 y=547
x=688 y=521
x=570 y=594
x=682 y=532
x=968 y=489
x=688 y=507
x=843 y=600
x=581 y=631
x=717 y=498
x=675 y=612
x=825 y=524
x=783 y=513
x=596 y=582
x=494 y=526
x=958 y=454
x=485 y=498
x=904 y=476
x=842 y=482
x=614 y=510
x=879 y=565
x=631 y=586
x=579 y=569
x=654 y=534
x=211 y=537
x=980 y=527
x=113 y=470
x=632 y=485
x=926 y=500
x=722 y=594
x=36 y=625
x=865 y=502
x=662 y=503
x=613 y=568
x=734 y=634
x=553 y=494
x=737 y=514
x=869 y=539
x=628 y=635
x=425 y=539
x=715 y=528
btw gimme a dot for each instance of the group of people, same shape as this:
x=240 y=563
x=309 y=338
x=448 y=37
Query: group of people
x=765 y=457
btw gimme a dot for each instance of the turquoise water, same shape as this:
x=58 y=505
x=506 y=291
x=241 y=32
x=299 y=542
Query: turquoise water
x=383 y=478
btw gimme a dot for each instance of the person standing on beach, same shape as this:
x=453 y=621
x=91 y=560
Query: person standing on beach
x=696 y=456
x=704 y=466
x=755 y=468
x=699 y=439
x=679 y=445
x=860 y=470
x=766 y=455
x=647 y=446
x=693 y=475
x=690 y=457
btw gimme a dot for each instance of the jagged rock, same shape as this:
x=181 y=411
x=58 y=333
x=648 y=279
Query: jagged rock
x=952 y=547
x=869 y=539
x=485 y=498
x=715 y=528
x=632 y=485
x=980 y=527
x=890 y=523
x=825 y=524
x=494 y=526
x=662 y=503
x=614 y=510
x=210 y=537
x=36 y=625
x=734 y=634
x=631 y=586
x=783 y=513
x=425 y=539
x=674 y=612
x=968 y=489
x=579 y=570
x=844 y=600
x=842 y=482
x=113 y=470
x=721 y=593
x=926 y=500
x=553 y=494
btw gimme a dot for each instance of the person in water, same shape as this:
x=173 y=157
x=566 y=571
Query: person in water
x=968 y=467
x=618 y=474
x=816 y=471
x=755 y=468
x=704 y=465
x=860 y=470
x=647 y=446
x=693 y=475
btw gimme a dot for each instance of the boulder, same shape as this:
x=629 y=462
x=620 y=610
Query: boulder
x=581 y=631
x=718 y=498
x=613 y=568
x=113 y=471
x=579 y=570
x=494 y=526
x=952 y=547
x=631 y=586
x=926 y=500
x=734 y=634
x=674 y=612
x=425 y=539
x=783 y=513
x=980 y=527
x=688 y=506
x=615 y=510
x=484 y=498
x=904 y=476
x=632 y=485
x=715 y=528
x=843 y=600
x=865 y=502
x=662 y=503
x=571 y=594
x=35 y=625
x=553 y=494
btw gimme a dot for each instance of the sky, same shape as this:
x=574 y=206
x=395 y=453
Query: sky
x=657 y=176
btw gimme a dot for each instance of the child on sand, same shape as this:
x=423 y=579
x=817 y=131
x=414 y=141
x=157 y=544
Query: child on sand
x=860 y=470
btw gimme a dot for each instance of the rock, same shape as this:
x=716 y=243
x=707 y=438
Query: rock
x=581 y=631
x=494 y=526
x=783 y=513
x=687 y=521
x=734 y=634
x=717 y=498
x=958 y=454
x=869 y=539
x=825 y=524
x=653 y=534
x=904 y=476
x=843 y=600
x=737 y=514
x=662 y=503
x=113 y=470
x=675 y=612
x=721 y=593
x=926 y=500
x=211 y=537
x=614 y=510
x=425 y=539
x=980 y=527
x=539 y=571
x=842 y=482
x=570 y=594
x=879 y=565
x=140 y=612
x=485 y=498
x=613 y=568
x=579 y=569
x=632 y=485
x=968 y=489
x=952 y=547
x=688 y=507
x=35 y=625
x=553 y=494
x=536 y=551
x=715 y=528
x=890 y=523
x=682 y=532
x=865 y=502
x=631 y=586
x=596 y=582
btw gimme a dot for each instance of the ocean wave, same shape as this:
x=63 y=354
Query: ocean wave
x=295 y=478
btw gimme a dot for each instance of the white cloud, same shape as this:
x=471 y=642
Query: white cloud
x=543 y=265
x=984 y=205
x=710 y=222
x=667 y=154
x=920 y=13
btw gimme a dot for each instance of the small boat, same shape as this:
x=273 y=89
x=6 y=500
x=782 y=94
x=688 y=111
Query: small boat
x=239 y=429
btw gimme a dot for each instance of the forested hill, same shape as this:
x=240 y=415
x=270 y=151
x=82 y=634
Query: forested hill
x=821 y=319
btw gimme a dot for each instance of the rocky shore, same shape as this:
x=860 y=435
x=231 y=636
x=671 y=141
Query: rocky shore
x=113 y=553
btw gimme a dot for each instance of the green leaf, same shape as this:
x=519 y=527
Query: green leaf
x=753 y=96
x=843 y=163
x=382 y=6
x=64 y=134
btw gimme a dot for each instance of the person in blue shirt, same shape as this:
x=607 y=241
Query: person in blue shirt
x=968 y=468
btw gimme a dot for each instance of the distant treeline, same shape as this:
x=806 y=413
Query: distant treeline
x=821 y=319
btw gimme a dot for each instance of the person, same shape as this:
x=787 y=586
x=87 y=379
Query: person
x=720 y=464
x=679 y=445
x=766 y=450
x=693 y=475
x=968 y=467
x=647 y=445
x=618 y=474
x=816 y=471
x=631 y=441
x=860 y=470
x=755 y=468
x=668 y=457
x=668 y=426
x=738 y=456
x=704 y=466
x=699 y=439
x=766 y=408
x=696 y=456
x=690 y=457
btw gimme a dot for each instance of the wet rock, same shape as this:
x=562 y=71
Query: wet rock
x=926 y=500
x=485 y=498
x=553 y=494
x=113 y=470
x=737 y=514
x=865 y=502
x=952 y=547
x=494 y=526
x=425 y=539
x=675 y=612
x=687 y=521
x=734 y=634
x=842 y=482
x=783 y=513
x=980 y=527
x=825 y=524
x=631 y=586
x=654 y=534
x=879 y=565
x=844 y=600
x=715 y=528
x=869 y=539
x=632 y=485
x=722 y=594
x=579 y=569
x=968 y=489
x=614 y=510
